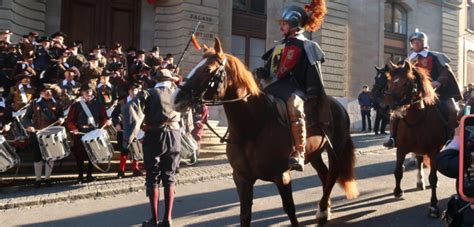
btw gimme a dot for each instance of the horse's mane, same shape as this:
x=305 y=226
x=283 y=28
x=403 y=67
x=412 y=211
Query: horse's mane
x=421 y=76
x=241 y=78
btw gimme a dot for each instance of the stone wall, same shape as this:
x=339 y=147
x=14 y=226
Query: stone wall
x=22 y=16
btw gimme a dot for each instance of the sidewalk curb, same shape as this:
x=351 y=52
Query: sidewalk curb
x=26 y=202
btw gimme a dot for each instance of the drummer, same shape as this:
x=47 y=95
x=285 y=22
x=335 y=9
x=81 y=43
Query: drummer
x=79 y=123
x=117 y=119
x=44 y=112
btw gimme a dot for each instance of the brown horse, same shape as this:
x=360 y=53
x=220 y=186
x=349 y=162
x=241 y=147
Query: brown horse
x=259 y=146
x=420 y=130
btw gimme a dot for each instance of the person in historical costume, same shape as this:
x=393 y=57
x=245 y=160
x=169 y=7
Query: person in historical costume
x=90 y=71
x=292 y=72
x=69 y=87
x=43 y=111
x=23 y=93
x=42 y=60
x=162 y=141
x=153 y=59
x=76 y=59
x=106 y=93
x=117 y=120
x=78 y=122
x=9 y=56
x=443 y=80
x=57 y=44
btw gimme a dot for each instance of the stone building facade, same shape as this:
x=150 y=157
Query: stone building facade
x=356 y=35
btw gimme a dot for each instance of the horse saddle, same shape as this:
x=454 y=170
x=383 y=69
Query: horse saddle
x=317 y=111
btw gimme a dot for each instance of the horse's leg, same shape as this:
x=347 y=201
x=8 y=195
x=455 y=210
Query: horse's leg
x=324 y=210
x=433 y=209
x=420 y=177
x=398 y=192
x=245 y=190
x=286 y=194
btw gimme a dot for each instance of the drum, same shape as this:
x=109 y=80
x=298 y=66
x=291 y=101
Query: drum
x=8 y=156
x=53 y=143
x=18 y=131
x=136 y=148
x=98 y=146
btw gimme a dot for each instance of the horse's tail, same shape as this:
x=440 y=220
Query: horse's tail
x=346 y=170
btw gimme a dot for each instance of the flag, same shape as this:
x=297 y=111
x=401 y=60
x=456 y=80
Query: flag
x=195 y=42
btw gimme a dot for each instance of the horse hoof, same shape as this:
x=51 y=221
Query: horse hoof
x=433 y=212
x=323 y=216
x=398 y=193
x=421 y=186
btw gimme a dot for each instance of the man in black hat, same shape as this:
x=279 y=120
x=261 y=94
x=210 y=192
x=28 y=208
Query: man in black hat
x=57 y=44
x=117 y=54
x=69 y=87
x=79 y=122
x=76 y=59
x=28 y=42
x=5 y=36
x=97 y=51
x=154 y=59
x=23 y=93
x=106 y=93
x=118 y=122
x=161 y=144
x=44 y=111
x=136 y=65
x=8 y=60
x=55 y=72
x=43 y=58
x=90 y=71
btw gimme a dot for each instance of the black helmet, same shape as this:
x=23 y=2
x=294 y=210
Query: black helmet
x=421 y=36
x=295 y=16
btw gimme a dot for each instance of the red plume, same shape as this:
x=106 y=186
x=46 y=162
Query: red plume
x=317 y=10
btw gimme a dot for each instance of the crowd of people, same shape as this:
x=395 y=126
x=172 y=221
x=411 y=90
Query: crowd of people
x=44 y=78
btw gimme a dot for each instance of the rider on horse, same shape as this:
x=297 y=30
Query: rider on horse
x=292 y=71
x=443 y=80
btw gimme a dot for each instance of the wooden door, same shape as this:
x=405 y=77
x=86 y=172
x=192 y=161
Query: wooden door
x=101 y=22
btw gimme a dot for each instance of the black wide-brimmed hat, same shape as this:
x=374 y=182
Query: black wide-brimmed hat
x=56 y=34
x=164 y=75
x=43 y=39
x=86 y=87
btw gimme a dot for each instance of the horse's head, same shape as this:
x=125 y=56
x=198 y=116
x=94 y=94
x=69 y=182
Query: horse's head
x=218 y=78
x=408 y=85
x=380 y=84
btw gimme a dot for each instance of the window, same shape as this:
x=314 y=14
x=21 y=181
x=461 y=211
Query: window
x=470 y=16
x=250 y=6
x=395 y=18
x=249 y=50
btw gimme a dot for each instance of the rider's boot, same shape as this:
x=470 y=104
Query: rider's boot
x=295 y=105
x=391 y=143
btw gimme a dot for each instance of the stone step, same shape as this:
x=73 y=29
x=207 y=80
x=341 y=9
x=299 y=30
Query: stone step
x=213 y=123
x=212 y=146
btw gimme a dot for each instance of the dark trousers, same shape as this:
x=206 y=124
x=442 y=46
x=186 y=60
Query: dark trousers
x=161 y=156
x=381 y=121
x=80 y=168
x=366 y=118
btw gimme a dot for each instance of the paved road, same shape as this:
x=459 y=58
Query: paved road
x=215 y=203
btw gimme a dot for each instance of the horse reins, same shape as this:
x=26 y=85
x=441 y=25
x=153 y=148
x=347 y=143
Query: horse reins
x=216 y=82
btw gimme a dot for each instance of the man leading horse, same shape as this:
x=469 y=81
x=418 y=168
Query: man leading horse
x=443 y=80
x=292 y=72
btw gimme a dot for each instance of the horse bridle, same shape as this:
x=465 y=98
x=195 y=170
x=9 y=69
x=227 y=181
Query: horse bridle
x=409 y=97
x=217 y=82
